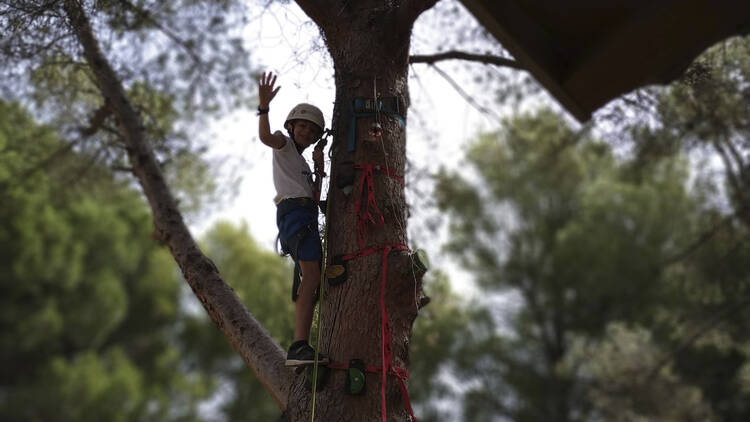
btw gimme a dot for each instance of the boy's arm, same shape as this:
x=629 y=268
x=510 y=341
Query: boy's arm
x=266 y=92
x=273 y=140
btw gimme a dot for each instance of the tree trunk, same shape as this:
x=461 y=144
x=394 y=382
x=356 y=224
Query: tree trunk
x=251 y=340
x=369 y=44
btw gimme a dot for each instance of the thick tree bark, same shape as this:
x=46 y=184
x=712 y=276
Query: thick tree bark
x=369 y=44
x=259 y=350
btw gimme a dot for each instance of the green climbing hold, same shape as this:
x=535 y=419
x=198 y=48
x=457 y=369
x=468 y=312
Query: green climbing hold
x=420 y=262
x=355 y=377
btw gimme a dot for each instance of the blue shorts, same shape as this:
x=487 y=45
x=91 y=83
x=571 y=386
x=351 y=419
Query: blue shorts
x=297 y=220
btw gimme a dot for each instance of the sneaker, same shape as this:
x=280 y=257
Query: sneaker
x=301 y=353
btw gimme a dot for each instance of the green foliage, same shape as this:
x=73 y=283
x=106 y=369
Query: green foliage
x=438 y=336
x=90 y=302
x=630 y=381
x=96 y=132
x=91 y=387
x=706 y=113
x=571 y=220
x=179 y=61
x=550 y=217
x=261 y=278
x=185 y=49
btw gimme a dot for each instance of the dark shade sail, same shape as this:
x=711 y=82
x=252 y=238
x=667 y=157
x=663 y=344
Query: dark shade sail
x=588 y=52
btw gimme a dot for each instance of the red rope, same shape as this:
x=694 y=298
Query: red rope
x=371 y=212
x=385 y=332
x=386 y=348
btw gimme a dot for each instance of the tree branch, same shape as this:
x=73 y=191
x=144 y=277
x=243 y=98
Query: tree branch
x=97 y=120
x=251 y=340
x=145 y=14
x=732 y=176
x=462 y=55
x=698 y=333
x=469 y=99
x=703 y=238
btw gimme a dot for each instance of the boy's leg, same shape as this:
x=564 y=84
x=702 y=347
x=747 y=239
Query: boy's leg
x=300 y=352
x=300 y=230
x=305 y=305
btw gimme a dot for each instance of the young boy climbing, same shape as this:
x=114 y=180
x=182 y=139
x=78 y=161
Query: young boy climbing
x=296 y=210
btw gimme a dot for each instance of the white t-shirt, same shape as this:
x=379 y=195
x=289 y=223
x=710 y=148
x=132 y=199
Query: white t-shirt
x=291 y=173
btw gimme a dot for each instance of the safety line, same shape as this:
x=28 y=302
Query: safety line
x=321 y=288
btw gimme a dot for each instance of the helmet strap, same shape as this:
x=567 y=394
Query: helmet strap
x=290 y=130
x=289 y=126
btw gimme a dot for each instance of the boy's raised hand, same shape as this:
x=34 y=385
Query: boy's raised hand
x=266 y=91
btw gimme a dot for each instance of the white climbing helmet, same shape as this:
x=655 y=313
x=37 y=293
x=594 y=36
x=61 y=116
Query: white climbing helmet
x=309 y=112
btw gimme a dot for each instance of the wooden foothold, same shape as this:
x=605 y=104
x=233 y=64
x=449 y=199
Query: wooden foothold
x=337 y=268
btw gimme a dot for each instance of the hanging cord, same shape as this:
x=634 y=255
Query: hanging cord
x=401 y=224
x=376 y=101
x=322 y=290
x=387 y=352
